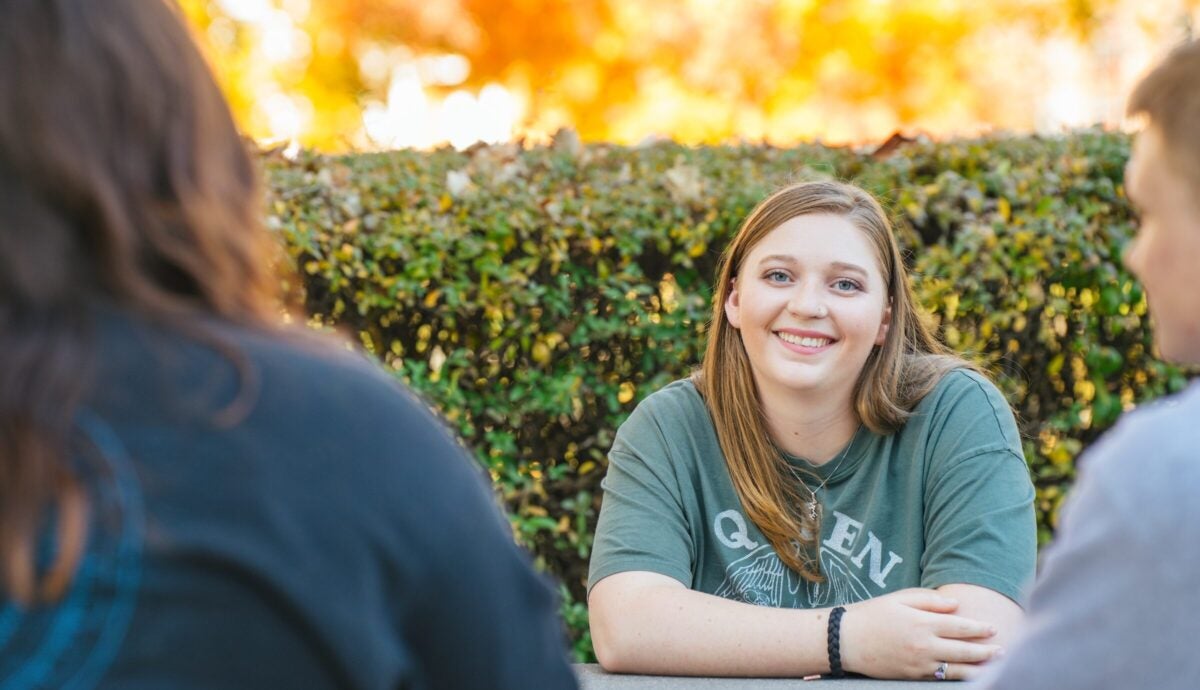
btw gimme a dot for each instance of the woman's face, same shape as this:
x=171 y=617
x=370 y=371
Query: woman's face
x=810 y=304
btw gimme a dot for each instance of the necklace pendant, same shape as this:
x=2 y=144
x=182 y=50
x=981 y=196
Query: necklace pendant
x=813 y=510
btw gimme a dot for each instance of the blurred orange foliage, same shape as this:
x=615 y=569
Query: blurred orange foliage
x=622 y=70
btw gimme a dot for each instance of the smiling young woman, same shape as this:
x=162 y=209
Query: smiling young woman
x=830 y=462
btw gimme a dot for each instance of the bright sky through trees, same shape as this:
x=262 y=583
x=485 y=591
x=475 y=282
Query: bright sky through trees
x=372 y=74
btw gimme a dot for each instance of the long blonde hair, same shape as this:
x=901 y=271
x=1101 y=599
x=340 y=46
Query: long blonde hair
x=893 y=380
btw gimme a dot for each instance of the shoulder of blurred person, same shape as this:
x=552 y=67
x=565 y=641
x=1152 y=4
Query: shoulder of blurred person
x=307 y=522
x=1149 y=462
x=1113 y=604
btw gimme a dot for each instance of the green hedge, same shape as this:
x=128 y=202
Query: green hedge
x=536 y=295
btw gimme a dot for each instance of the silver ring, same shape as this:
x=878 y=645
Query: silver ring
x=940 y=673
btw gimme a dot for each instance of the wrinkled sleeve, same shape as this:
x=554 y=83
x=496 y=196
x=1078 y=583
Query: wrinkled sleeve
x=643 y=524
x=980 y=527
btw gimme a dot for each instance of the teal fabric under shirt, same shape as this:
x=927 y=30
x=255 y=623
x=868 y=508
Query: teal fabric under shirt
x=946 y=499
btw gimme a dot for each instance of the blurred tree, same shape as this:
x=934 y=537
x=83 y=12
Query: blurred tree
x=694 y=70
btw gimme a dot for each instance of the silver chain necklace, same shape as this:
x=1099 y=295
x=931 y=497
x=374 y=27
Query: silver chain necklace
x=813 y=507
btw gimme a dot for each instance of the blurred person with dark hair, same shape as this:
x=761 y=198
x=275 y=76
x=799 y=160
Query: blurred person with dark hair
x=191 y=493
x=1115 y=604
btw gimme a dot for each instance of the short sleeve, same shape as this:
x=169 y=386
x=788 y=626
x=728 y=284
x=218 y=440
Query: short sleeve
x=643 y=524
x=980 y=527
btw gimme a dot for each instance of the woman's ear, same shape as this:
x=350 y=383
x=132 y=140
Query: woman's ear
x=733 y=310
x=881 y=337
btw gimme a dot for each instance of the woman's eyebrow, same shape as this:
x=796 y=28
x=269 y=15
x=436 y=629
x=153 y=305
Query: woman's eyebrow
x=848 y=267
x=778 y=258
x=836 y=266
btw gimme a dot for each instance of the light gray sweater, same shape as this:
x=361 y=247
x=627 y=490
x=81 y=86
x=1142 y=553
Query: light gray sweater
x=1117 y=603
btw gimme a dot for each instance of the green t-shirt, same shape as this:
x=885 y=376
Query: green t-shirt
x=946 y=499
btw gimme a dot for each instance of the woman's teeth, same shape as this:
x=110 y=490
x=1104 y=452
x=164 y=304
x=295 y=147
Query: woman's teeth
x=804 y=341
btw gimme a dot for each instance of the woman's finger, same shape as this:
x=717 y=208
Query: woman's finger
x=963 y=671
x=961 y=652
x=956 y=671
x=960 y=628
x=944 y=670
x=926 y=600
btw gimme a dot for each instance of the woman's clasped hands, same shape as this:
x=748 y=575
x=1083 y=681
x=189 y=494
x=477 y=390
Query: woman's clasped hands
x=911 y=634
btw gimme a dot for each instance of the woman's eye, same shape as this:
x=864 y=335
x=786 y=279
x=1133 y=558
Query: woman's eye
x=777 y=277
x=846 y=285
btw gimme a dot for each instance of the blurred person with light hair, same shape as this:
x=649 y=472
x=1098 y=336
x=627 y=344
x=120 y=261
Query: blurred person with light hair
x=192 y=494
x=1115 y=605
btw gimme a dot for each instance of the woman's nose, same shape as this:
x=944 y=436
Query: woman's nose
x=808 y=302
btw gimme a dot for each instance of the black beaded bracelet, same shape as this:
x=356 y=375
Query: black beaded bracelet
x=835 y=642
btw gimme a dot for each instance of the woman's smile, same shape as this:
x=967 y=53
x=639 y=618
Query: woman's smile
x=805 y=342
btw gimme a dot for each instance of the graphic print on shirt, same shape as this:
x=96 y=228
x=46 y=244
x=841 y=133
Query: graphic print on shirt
x=762 y=579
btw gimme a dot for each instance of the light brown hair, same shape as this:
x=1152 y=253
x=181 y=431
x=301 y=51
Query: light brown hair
x=893 y=380
x=123 y=181
x=1170 y=97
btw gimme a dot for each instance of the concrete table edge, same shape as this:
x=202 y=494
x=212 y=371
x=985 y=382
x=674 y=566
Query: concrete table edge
x=592 y=677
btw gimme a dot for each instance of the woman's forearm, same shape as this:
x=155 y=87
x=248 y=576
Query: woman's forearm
x=646 y=623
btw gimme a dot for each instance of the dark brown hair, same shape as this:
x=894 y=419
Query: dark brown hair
x=123 y=180
x=895 y=377
x=1170 y=96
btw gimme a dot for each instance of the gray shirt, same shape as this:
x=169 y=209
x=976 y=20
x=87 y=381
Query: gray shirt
x=1116 y=602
